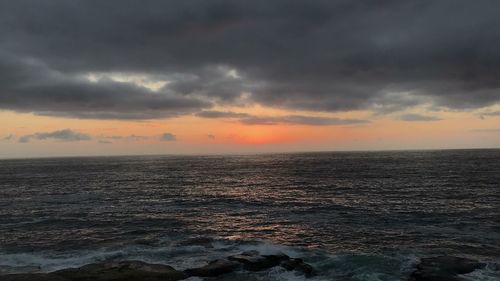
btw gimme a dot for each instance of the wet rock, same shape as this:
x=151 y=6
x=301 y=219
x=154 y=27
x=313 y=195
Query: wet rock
x=124 y=270
x=444 y=268
x=298 y=265
x=108 y=271
x=141 y=271
x=253 y=261
x=213 y=269
x=139 y=265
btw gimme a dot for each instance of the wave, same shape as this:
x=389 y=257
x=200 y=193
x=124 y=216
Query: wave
x=190 y=253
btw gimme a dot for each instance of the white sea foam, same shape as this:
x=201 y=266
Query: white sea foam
x=280 y=274
x=355 y=267
x=194 y=279
x=264 y=247
x=181 y=257
x=48 y=262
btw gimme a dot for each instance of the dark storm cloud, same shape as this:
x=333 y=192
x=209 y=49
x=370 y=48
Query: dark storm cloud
x=313 y=55
x=168 y=137
x=28 y=85
x=64 y=135
x=418 y=117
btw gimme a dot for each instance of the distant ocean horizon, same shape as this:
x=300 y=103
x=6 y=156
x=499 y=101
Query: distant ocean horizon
x=352 y=215
x=240 y=153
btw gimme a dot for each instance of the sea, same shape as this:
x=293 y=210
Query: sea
x=351 y=215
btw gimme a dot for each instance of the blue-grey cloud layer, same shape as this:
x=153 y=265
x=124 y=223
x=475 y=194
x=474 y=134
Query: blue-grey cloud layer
x=418 y=117
x=168 y=137
x=492 y=113
x=250 y=119
x=63 y=135
x=313 y=55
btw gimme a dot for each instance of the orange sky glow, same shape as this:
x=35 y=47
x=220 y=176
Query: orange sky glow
x=195 y=135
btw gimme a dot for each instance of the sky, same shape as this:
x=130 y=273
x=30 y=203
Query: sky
x=123 y=77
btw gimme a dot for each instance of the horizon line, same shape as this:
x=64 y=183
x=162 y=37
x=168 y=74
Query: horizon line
x=244 y=153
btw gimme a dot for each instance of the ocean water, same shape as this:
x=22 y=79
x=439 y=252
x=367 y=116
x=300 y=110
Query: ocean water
x=352 y=215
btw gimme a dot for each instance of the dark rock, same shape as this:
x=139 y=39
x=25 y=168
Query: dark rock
x=298 y=265
x=124 y=265
x=213 y=269
x=252 y=261
x=108 y=271
x=124 y=270
x=444 y=268
x=141 y=271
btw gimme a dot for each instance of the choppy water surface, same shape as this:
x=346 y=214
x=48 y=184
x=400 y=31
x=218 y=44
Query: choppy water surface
x=354 y=216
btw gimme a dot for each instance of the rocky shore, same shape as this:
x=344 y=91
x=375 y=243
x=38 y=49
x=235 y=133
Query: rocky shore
x=141 y=271
x=442 y=268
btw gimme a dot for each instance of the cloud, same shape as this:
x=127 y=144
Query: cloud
x=132 y=137
x=63 y=135
x=168 y=137
x=418 y=117
x=8 y=137
x=45 y=91
x=249 y=119
x=301 y=120
x=210 y=136
x=491 y=113
x=25 y=138
x=221 y=114
x=313 y=55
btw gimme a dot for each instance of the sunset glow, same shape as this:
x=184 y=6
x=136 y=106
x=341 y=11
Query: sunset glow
x=195 y=135
x=212 y=86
